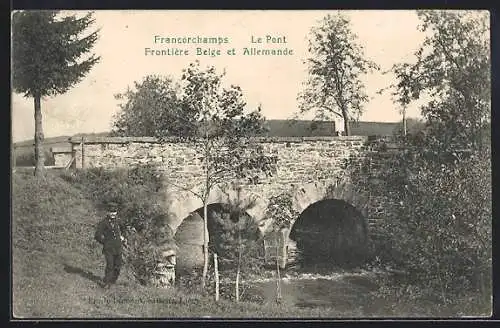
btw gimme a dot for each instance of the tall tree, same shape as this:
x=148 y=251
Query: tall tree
x=225 y=134
x=446 y=193
x=335 y=67
x=452 y=68
x=154 y=109
x=47 y=51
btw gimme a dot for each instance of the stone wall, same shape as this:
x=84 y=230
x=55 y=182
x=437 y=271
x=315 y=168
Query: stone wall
x=300 y=160
x=62 y=159
x=304 y=166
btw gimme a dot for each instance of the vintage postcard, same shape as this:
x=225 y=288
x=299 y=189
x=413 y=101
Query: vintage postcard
x=251 y=164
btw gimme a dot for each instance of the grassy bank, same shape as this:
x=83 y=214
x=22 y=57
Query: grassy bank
x=57 y=266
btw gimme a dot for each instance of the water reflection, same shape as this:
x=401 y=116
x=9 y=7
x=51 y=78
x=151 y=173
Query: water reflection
x=339 y=291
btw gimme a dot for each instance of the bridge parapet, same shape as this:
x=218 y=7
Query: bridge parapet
x=306 y=166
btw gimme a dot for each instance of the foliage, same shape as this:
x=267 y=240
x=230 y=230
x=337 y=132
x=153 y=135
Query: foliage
x=142 y=220
x=242 y=245
x=281 y=211
x=437 y=191
x=134 y=190
x=224 y=139
x=236 y=239
x=437 y=224
x=46 y=59
x=439 y=216
x=243 y=256
x=453 y=69
x=456 y=243
x=226 y=223
x=414 y=126
x=141 y=248
x=227 y=148
x=46 y=49
x=336 y=66
x=154 y=109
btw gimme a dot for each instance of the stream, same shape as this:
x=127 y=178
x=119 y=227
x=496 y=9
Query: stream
x=343 y=290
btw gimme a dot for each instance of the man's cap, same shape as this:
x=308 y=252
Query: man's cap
x=112 y=207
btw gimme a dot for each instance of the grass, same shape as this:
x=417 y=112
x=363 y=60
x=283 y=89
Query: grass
x=57 y=267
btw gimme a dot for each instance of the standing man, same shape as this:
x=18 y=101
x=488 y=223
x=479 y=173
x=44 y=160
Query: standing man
x=109 y=235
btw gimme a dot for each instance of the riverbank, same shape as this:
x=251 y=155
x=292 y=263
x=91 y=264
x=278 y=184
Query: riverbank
x=362 y=293
x=57 y=267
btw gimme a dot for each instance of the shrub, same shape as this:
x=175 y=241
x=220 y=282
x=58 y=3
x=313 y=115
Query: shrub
x=136 y=191
x=280 y=211
x=141 y=249
x=437 y=223
x=449 y=220
x=229 y=227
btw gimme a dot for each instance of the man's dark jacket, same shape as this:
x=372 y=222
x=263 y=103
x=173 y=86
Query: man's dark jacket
x=108 y=234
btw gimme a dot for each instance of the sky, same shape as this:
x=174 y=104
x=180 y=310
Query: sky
x=273 y=82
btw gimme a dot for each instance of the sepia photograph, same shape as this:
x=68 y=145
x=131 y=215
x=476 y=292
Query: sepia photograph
x=241 y=164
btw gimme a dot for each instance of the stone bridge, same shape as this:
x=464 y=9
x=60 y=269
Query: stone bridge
x=306 y=167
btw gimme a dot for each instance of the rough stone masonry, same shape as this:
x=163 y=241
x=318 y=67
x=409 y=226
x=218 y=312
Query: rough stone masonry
x=306 y=166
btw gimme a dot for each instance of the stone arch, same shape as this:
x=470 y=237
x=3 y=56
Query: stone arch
x=343 y=188
x=331 y=231
x=339 y=188
x=190 y=233
x=306 y=194
x=181 y=203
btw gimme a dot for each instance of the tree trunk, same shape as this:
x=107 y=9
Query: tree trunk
x=347 y=127
x=480 y=133
x=404 y=122
x=216 y=273
x=238 y=269
x=237 y=284
x=39 y=154
x=283 y=250
x=205 y=244
x=278 y=278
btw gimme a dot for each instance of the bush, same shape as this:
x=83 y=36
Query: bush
x=142 y=248
x=449 y=221
x=136 y=192
x=437 y=223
